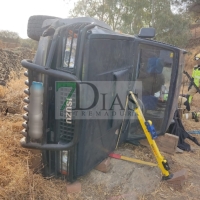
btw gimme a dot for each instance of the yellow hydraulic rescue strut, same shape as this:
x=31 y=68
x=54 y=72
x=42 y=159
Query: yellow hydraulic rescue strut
x=150 y=133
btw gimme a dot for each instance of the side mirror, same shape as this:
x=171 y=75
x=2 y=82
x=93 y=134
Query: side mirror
x=147 y=33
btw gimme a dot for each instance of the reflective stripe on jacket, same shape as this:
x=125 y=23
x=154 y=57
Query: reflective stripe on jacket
x=196 y=75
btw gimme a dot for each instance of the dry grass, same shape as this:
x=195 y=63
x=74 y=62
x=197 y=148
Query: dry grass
x=2 y=92
x=14 y=92
x=17 y=181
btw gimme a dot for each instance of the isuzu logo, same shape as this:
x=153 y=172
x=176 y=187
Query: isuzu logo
x=69 y=111
x=63 y=100
x=92 y=100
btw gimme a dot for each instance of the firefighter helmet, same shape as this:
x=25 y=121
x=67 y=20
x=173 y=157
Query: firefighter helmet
x=197 y=56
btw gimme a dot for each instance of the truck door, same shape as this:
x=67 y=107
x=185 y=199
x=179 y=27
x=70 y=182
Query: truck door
x=154 y=70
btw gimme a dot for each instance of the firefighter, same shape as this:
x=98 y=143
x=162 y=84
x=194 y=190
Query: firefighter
x=195 y=77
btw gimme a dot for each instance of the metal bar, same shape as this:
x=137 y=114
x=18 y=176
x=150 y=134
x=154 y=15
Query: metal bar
x=55 y=73
x=118 y=156
x=61 y=159
x=71 y=165
x=54 y=42
x=81 y=47
x=56 y=147
x=52 y=48
x=49 y=162
x=70 y=52
x=56 y=162
x=45 y=110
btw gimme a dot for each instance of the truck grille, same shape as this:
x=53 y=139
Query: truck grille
x=65 y=129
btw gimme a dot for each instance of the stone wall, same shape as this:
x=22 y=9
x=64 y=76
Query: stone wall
x=10 y=61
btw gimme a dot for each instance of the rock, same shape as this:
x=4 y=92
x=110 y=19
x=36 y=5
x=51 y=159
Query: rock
x=166 y=143
x=73 y=187
x=178 y=179
x=104 y=166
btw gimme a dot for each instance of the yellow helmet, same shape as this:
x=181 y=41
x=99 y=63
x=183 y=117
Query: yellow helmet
x=197 y=56
x=150 y=122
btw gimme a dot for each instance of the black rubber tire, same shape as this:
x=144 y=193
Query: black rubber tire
x=34 y=29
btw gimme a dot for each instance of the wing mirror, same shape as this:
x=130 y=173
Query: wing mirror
x=147 y=33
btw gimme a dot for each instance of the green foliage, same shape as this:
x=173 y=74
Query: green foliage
x=194 y=8
x=13 y=37
x=182 y=6
x=9 y=36
x=129 y=16
x=29 y=43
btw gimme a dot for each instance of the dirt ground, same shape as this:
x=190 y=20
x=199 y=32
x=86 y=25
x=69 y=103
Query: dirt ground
x=128 y=181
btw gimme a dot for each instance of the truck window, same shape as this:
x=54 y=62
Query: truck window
x=70 y=45
x=154 y=74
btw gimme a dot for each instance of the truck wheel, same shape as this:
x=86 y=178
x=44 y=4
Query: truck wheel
x=34 y=29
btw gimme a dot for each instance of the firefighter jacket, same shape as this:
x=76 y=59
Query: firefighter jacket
x=196 y=75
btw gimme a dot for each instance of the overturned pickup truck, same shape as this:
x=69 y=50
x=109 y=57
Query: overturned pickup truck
x=78 y=82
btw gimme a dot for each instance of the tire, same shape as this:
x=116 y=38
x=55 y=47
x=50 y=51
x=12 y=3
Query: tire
x=34 y=29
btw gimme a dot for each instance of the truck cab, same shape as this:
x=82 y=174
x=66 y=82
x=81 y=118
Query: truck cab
x=77 y=85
